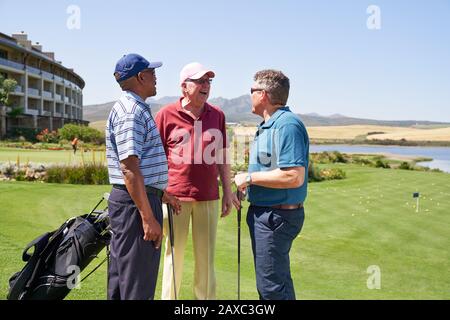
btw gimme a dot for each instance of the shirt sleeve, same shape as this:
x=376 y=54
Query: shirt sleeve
x=160 y=120
x=129 y=134
x=291 y=148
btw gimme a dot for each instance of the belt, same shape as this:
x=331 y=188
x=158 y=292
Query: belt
x=148 y=189
x=288 y=206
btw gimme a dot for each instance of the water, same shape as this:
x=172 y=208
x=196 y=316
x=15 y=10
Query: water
x=440 y=155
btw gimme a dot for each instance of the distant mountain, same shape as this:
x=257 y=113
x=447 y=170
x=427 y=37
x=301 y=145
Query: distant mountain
x=239 y=110
x=97 y=112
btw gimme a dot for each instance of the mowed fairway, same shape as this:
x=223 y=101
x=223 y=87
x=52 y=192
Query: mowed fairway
x=50 y=156
x=367 y=219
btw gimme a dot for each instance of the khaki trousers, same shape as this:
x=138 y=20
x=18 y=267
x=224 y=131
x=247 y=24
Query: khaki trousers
x=204 y=216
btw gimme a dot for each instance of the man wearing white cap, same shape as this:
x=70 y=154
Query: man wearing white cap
x=193 y=134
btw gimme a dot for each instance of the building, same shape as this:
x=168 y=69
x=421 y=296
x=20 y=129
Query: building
x=48 y=93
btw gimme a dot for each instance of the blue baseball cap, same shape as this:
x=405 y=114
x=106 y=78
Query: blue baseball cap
x=131 y=64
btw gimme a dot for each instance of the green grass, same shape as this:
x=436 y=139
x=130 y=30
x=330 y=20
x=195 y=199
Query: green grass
x=50 y=156
x=367 y=219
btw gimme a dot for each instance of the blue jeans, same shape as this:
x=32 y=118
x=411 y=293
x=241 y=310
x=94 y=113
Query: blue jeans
x=272 y=232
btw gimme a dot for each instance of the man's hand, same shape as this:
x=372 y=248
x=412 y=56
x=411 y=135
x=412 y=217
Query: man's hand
x=228 y=200
x=135 y=185
x=152 y=231
x=173 y=201
x=240 y=182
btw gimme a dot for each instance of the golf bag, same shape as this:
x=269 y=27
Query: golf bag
x=51 y=268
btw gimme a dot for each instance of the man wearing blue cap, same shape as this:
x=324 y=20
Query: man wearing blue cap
x=137 y=167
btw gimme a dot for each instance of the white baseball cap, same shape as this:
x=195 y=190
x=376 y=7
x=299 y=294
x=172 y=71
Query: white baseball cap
x=194 y=71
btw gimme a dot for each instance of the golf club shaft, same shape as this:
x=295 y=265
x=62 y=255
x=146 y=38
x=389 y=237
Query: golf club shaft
x=239 y=195
x=92 y=211
x=169 y=214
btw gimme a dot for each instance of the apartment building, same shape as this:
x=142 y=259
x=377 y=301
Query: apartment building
x=48 y=93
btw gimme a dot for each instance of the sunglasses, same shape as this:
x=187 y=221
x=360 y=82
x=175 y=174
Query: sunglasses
x=255 y=89
x=199 y=81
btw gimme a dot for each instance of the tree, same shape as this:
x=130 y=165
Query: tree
x=6 y=86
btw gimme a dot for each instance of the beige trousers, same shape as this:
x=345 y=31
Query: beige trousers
x=204 y=216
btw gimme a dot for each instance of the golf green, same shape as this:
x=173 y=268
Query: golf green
x=356 y=230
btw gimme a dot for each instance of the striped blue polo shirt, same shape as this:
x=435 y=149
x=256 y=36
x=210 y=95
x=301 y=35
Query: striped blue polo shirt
x=131 y=130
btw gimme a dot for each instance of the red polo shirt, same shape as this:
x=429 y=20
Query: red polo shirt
x=193 y=149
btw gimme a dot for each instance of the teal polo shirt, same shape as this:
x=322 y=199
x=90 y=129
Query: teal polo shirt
x=281 y=142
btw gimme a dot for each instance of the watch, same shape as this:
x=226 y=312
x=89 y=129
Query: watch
x=248 y=179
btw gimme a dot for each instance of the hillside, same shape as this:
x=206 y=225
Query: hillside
x=239 y=110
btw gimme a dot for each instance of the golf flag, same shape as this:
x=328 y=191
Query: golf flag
x=416 y=195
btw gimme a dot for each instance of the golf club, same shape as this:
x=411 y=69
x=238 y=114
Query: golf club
x=239 y=196
x=169 y=214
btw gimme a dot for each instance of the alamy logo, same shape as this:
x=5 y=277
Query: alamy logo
x=374 y=20
x=74 y=20
x=374 y=280
x=73 y=282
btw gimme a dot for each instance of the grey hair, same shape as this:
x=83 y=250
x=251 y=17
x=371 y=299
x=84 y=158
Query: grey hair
x=275 y=83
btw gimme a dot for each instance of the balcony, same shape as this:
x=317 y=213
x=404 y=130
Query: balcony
x=33 y=70
x=59 y=79
x=33 y=92
x=47 y=94
x=66 y=99
x=11 y=64
x=58 y=97
x=47 y=75
x=18 y=89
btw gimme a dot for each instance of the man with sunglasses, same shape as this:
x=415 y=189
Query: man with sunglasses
x=194 y=137
x=137 y=167
x=276 y=184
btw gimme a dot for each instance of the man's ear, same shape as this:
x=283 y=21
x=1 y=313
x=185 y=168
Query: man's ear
x=140 y=76
x=265 y=96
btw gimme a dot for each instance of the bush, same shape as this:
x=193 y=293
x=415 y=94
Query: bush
x=329 y=157
x=381 y=164
x=362 y=161
x=332 y=174
x=87 y=174
x=313 y=173
x=47 y=136
x=23 y=134
x=339 y=157
x=405 y=166
x=84 y=133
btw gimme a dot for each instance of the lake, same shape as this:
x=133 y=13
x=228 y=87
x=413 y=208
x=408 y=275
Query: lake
x=440 y=155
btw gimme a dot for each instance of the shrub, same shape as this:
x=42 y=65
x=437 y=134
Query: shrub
x=332 y=174
x=87 y=174
x=339 y=157
x=23 y=134
x=313 y=173
x=329 y=157
x=84 y=133
x=362 y=161
x=405 y=166
x=381 y=164
x=47 y=136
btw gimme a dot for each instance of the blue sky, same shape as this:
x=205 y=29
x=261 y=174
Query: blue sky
x=335 y=63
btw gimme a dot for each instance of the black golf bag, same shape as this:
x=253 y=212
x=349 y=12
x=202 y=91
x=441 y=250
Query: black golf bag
x=50 y=270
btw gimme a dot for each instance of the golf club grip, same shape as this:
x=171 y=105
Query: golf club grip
x=169 y=214
x=92 y=211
